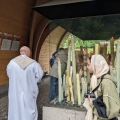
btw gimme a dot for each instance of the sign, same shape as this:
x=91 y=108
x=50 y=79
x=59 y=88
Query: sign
x=6 y=44
x=15 y=45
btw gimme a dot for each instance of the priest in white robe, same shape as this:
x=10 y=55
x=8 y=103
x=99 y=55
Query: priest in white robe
x=24 y=73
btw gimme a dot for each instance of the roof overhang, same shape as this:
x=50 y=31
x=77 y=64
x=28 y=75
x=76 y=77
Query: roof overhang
x=63 y=9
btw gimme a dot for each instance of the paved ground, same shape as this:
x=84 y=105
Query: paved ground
x=41 y=101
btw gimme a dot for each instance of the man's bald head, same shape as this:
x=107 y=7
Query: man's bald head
x=25 y=51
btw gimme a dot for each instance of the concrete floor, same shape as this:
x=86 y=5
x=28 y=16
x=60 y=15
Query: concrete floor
x=3 y=102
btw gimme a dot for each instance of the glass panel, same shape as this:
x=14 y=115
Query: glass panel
x=83 y=37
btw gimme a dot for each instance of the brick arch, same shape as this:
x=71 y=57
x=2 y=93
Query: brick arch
x=41 y=41
x=50 y=44
x=37 y=36
x=40 y=37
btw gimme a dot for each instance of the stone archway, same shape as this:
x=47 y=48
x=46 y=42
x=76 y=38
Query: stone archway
x=50 y=45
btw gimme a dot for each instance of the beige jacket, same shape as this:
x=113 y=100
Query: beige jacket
x=110 y=97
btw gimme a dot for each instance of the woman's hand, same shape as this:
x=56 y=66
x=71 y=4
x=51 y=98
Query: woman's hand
x=90 y=100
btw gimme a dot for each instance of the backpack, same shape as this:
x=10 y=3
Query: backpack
x=53 y=58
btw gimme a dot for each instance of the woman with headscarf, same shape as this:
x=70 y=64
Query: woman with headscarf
x=99 y=67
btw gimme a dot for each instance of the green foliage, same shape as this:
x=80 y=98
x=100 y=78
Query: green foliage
x=84 y=43
x=93 y=28
x=90 y=30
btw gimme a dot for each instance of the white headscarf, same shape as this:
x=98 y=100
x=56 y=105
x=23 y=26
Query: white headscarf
x=99 y=67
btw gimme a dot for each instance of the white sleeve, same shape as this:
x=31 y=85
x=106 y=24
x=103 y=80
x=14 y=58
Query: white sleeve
x=38 y=72
x=8 y=69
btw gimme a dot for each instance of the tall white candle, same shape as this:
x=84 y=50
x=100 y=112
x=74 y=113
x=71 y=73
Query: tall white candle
x=74 y=69
x=67 y=82
x=60 y=88
x=84 y=87
x=114 y=74
x=71 y=71
x=64 y=83
x=69 y=58
x=111 y=70
x=85 y=72
x=78 y=90
x=71 y=91
x=118 y=65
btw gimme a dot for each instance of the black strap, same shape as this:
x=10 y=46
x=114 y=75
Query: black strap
x=99 y=84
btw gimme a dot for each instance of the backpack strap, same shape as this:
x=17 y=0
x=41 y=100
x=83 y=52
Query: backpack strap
x=99 y=83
